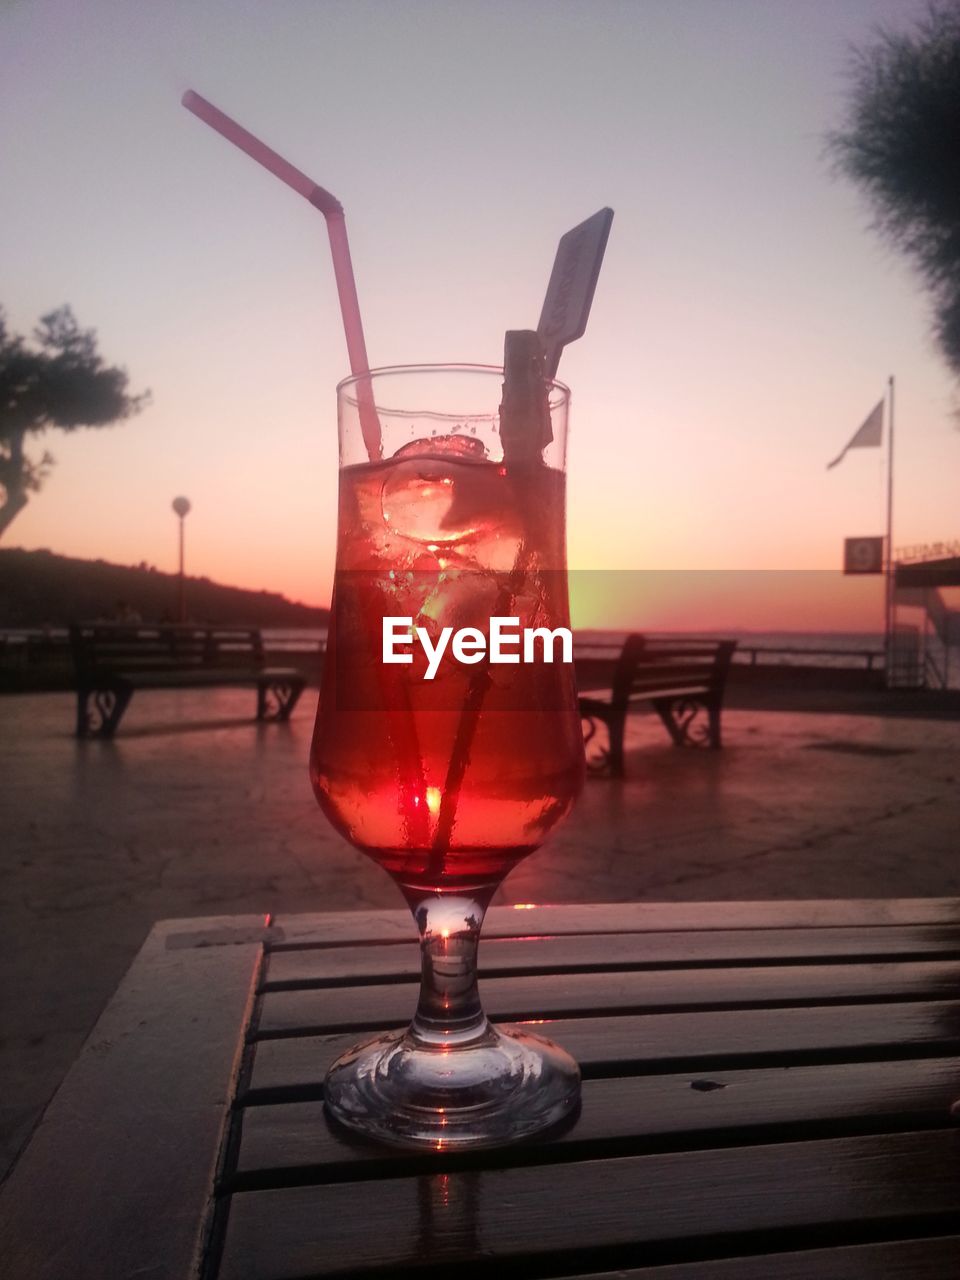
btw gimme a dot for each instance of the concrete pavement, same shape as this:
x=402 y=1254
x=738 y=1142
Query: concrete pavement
x=196 y=810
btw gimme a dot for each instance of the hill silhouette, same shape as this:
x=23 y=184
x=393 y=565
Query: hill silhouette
x=39 y=588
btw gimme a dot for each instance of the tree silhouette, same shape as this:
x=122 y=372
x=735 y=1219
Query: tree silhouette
x=901 y=144
x=58 y=380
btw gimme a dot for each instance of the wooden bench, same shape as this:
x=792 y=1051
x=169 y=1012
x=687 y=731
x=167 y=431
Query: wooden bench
x=680 y=678
x=113 y=660
x=767 y=1092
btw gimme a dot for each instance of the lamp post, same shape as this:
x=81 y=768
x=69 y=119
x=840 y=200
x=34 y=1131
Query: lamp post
x=181 y=506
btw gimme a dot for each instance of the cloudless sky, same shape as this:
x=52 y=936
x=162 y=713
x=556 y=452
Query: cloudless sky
x=745 y=322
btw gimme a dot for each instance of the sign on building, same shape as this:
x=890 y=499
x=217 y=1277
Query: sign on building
x=863 y=555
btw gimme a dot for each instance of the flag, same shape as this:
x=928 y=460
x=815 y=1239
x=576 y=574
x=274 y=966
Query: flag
x=869 y=436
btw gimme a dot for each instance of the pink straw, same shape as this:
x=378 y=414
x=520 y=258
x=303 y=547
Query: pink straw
x=332 y=210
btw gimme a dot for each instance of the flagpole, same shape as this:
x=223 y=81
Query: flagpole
x=888 y=602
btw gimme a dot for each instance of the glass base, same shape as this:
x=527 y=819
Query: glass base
x=502 y=1086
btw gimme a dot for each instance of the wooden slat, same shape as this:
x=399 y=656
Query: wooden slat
x=297 y=1064
x=191 y=677
x=566 y=954
x=332 y=928
x=652 y=653
x=676 y=687
x=117 y=1180
x=140 y=655
x=345 y=1008
x=654 y=672
x=929 y=1259
x=657 y=1205
x=641 y=1113
x=199 y=676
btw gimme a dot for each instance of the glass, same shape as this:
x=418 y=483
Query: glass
x=447 y=782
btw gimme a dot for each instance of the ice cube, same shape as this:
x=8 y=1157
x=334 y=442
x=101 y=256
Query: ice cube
x=461 y=447
x=460 y=599
x=437 y=493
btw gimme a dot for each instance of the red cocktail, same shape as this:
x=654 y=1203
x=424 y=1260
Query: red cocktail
x=449 y=767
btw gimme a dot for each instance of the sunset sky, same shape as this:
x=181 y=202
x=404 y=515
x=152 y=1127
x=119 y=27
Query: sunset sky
x=745 y=323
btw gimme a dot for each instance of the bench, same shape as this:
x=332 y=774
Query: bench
x=680 y=678
x=113 y=660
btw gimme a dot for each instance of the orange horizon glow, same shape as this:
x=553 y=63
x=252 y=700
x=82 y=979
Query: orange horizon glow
x=800 y=601
x=745 y=321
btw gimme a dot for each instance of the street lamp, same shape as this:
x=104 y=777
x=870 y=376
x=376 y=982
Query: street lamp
x=181 y=506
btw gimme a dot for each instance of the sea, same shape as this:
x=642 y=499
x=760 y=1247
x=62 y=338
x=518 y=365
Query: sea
x=827 y=648
x=863 y=650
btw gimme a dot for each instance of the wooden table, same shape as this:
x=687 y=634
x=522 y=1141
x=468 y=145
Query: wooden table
x=767 y=1093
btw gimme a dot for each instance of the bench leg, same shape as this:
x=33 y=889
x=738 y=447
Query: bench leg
x=83 y=718
x=276 y=699
x=603 y=760
x=99 y=711
x=713 y=710
x=616 y=726
x=664 y=709
x=681 y=716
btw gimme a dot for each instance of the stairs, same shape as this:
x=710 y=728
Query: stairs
x=926 y=659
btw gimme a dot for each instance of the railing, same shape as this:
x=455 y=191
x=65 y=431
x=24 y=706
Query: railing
x=755 y=655
x=870 y=659
x=935 y=675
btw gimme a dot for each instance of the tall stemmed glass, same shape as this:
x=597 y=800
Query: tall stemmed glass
x=448 y=782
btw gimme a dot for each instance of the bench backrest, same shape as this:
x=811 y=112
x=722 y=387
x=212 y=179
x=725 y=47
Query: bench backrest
x=132 y=647
x=647 y=666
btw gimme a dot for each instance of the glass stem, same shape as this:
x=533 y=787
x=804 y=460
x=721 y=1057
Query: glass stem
x=449 y=1013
